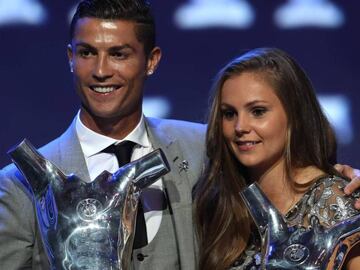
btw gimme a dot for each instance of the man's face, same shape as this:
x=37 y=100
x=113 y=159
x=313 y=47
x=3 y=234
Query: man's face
x=110 y=67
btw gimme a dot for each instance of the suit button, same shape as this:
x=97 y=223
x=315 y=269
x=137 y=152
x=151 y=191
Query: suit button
x=140 y=257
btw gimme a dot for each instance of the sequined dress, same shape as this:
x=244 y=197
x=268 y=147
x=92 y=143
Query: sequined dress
x=325 y=199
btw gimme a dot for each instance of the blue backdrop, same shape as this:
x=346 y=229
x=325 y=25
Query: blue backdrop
x=197 y=38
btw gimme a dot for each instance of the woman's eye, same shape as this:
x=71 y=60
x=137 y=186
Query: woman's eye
x=260 y=111
x=228 y=114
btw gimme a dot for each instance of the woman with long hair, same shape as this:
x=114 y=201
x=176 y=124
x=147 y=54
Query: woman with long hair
x=265 y=125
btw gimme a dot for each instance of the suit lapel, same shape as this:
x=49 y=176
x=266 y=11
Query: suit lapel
x=71 y=157
x=178 y=188
x=178 y=175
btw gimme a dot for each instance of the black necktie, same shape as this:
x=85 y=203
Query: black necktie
x=123 y=153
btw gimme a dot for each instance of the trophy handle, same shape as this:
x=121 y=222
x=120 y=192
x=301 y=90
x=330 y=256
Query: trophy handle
x=266 y=217
x=38 y=171
x=144 y=171
x=151 y=167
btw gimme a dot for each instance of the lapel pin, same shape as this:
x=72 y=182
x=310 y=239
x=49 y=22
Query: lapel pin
x=183 y=166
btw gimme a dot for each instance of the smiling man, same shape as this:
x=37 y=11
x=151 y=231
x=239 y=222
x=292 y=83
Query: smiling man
x=110 y=66
x=111 y=53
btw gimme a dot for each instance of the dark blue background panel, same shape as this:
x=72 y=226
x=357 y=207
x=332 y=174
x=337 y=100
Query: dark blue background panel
x=197 y=38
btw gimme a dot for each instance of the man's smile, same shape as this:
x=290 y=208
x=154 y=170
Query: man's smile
x=104 y=89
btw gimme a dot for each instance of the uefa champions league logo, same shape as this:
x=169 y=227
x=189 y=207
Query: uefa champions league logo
x=89 y=209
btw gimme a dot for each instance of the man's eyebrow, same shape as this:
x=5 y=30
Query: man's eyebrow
x=121 y=47
x=114 y=48
x=83 y=44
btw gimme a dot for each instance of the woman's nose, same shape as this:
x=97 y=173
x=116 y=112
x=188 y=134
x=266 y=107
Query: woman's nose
x=242 y=125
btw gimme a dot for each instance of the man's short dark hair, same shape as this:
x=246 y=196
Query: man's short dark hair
x=137 y=11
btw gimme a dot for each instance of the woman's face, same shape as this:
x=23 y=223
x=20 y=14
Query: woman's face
x=254 y=121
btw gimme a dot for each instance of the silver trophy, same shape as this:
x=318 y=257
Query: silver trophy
x=87 y=225
x=297 y=247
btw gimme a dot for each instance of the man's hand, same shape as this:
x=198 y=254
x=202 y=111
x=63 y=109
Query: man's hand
x=354 y=175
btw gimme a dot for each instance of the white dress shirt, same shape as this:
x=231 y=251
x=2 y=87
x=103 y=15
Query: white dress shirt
x=93 y=143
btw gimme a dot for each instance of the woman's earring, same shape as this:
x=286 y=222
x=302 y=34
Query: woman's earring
x=150 y=72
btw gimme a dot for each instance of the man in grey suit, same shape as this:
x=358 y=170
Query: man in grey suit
x=112 y=52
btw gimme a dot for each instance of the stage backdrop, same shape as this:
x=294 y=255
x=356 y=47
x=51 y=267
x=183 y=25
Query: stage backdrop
x=197 y=38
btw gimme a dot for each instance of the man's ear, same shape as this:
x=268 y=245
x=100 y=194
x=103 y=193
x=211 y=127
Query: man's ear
x=153 y=60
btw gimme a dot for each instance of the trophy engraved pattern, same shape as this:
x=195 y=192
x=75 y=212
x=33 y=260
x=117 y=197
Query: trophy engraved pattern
x=87 y=225
x=288 y=243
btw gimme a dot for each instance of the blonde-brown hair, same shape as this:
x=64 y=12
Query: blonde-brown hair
x=222 y=222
